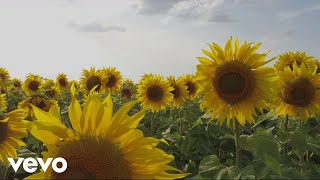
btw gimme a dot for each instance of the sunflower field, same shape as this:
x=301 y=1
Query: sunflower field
x=241 y=115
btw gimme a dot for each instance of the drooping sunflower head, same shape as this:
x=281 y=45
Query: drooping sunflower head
x=32 y=84
x=154 y=93
x=192 y=86
x=298 y=92
x=92 y=78
x=114 y=79
x=12 y=130
x=102 y=144
x=62 y=81
x=3 y=103
x=234 y=81
x=128 y=89
x=38 y=101
x=50 y=89
x=289 y=58
x=179 y=91
x=4 y=76
x=17 y=84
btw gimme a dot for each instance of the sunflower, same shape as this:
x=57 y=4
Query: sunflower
x=192 y=86
x=32 y=84
x=101 y=145
x=38 y=101
x=299 y=93
x=17 y=84
x=4 y=76
x=179 y=92
x=287 y=59
x=3 y=103
x=154 y=93
x=234 y=82
x=62 y=81
x=76 y=85
x=114 y=79
x=92 y=78
x=128 y=89
x=51 y=90
x=12 y=130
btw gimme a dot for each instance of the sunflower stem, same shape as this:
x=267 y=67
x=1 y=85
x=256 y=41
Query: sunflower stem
x=237 y=142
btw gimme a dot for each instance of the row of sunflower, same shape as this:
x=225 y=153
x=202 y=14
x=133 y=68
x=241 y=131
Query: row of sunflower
x=233 y=84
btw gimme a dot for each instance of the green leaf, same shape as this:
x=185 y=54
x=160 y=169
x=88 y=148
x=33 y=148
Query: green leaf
x=263 y=145
x=210 y=168
x=299 y=143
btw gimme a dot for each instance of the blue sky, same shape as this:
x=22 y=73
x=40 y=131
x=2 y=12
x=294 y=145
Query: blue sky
x=144 y=36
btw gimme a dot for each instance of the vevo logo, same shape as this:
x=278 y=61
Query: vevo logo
x=30 y=165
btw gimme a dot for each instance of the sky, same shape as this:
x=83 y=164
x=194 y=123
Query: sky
x=48 y=37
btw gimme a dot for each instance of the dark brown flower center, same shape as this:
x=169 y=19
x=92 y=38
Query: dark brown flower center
x=94 y=81
x=111 y=81
x=126 y=93
x=233 y=82
x=176 y=92
x=63 y=82
x=155 y=93
x=3 y=131
x=16 y=84
x=299 y=92
x=33 y=86
x=95 y=159
x=191 y=87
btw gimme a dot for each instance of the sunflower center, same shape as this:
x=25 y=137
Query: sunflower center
x=176 y=91
x=155 y=93
x=63 y=82
x=299 y=93
x=190 y=87
x=92 y=158
x=233 y=82
x=3 y=131
x=41 y=104
x=111 y=81
x=126 y=93
x=16 y=84
x=94 y=81
x=33 y=86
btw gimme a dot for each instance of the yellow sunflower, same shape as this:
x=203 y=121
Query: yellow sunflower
x=192 y=86
x=114 y=79
x=4 y=76
x=287 y=59
x=3 y=103
x=154 y=93
x=17 y=84
x=12 y=130
x=92 y=78
x=102 y=145
x=76 y=84
x=38 y=101
x=298 y=92
x=51 y=90
x=128 y=89
x=62 y=81
x=32 y=84
x=234 y=82
x=179 y=92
